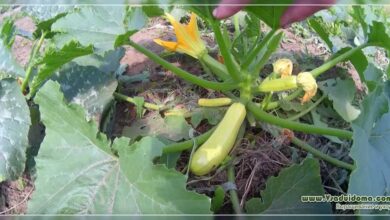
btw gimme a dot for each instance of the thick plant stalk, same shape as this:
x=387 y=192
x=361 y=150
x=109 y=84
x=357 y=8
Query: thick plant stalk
x=231 y=66
x=295 y=126
x=306 y=147
x=333 y=62
x=184 y=74
x=216 y=67
x=31 y=62
x=186 y=145
x=255 y=51
x=233 y=193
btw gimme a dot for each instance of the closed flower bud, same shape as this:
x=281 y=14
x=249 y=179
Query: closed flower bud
x=283 y=67
x=308 y=83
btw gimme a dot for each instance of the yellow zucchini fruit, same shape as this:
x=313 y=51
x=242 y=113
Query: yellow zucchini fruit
x=214 y=102
x=211 y=154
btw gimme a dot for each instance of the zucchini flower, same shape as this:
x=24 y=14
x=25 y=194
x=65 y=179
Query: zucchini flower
x=188 y=38
x=308 y=83
x=283 y=67
x=304 y=80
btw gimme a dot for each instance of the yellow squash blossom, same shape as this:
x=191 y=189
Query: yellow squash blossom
x=308 y=83
x=188 y=38
x=283 y=67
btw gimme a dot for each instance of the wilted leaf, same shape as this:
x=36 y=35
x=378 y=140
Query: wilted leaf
x=174 y=128
x=14 y=126
x=283 y=193
x=77 y=174
x=212 y=115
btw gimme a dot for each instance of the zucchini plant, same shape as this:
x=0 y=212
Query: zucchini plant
x=50 y=106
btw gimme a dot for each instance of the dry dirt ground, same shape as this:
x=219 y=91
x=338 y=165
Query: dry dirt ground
x=255 y=165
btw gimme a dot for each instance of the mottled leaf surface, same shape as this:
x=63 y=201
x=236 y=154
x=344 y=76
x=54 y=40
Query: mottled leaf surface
x=14 y=126
x=77 y=174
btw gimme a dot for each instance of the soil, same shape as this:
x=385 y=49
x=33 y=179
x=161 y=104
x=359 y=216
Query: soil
x=14 y=195
x=259 y=156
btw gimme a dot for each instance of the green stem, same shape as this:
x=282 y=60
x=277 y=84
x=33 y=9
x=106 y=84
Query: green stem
x=236 y=22
x=184 y=74
x=333 y=62
x=272 y=46
x=301 y=114
x=146 y=104
x=31 y=63
x=256 y=50
x=233 y=193
x=296 y=126
x=231 y=66
x=216 y=67
x=273 y=105
x=264 y=104
x=306 y=147
x=186 y=145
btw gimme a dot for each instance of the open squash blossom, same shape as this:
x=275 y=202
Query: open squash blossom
x=283 y=67
x=188 y=38
x=308 y=83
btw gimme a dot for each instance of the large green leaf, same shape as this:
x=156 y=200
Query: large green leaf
x=342 y=93
x=87 y=86
x=379 y=35
x=54 y=59
x=14 y=126
x=283 y=193
x=46 y=10
x=108 y=63
x=46 y=15
x=44 y=27
x=76 y=174
x=90 y=81
x=270 y=12
x=370 y=148
x=100 y=26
